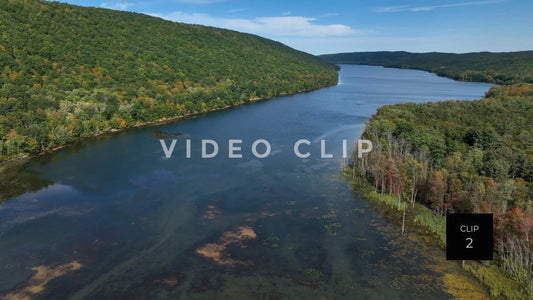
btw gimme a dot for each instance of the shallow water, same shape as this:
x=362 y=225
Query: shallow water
x=137 y=222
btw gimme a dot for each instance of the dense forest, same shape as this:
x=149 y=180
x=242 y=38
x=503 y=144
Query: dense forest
x=68 y=72
x=501 y=68
x=463 y=156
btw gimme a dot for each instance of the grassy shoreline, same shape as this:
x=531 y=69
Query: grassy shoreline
x=432 y=229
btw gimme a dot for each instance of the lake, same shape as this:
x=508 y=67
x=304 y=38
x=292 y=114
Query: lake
x=113 y=217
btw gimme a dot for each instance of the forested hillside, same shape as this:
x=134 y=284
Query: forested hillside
x=501 y=68
x=464 y=156
x=68 y=72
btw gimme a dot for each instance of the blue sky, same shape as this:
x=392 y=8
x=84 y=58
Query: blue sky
x=320 y=27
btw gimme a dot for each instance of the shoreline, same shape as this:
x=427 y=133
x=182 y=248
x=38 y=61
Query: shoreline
x=161 y=121
x=456 y=280
x=431 y=229
x=430 y=232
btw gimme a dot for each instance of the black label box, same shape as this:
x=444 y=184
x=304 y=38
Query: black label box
x=469 y=237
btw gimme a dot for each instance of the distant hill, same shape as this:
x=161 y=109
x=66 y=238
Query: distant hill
x=68 y=72
x=501 y=68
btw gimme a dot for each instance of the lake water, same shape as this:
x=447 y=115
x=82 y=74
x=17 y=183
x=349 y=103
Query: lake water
x=112 y=217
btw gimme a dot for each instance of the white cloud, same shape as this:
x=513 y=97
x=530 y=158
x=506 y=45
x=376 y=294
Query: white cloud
x=117 y=6
x=401 y=8
x=267 y=26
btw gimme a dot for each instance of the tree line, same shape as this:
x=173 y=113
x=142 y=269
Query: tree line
x=501 y=68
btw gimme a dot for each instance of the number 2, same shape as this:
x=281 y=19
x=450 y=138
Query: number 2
x=469 y=246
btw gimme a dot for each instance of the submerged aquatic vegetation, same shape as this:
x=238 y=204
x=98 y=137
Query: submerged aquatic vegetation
x=37 y=283
x=216 y=251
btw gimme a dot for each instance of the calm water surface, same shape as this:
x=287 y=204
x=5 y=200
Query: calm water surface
x=142 y=225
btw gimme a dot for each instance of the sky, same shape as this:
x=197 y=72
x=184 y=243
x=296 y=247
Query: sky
x=322 y=27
